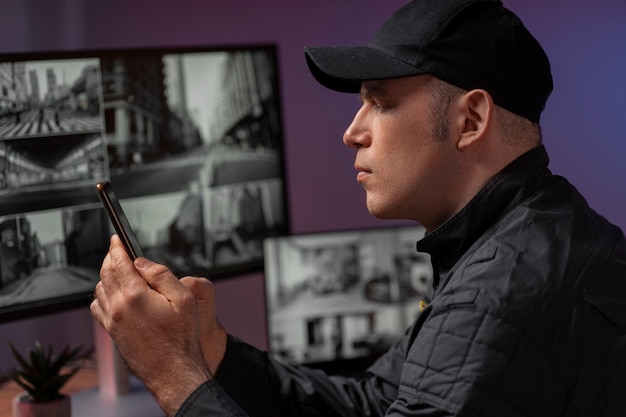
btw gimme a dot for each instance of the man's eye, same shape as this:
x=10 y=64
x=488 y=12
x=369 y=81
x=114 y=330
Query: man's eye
x=380 y=106
x=374 y=103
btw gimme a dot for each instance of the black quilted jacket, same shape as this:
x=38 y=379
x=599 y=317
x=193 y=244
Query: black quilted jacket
x=528 y=318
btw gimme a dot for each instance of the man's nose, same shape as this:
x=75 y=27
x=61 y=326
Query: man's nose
x=356 y=134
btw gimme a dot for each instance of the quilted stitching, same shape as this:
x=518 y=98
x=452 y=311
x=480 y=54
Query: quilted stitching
x=466 y=370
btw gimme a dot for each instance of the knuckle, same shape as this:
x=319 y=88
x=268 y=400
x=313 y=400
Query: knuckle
x=105 y=270
x=117 y=263
x=131 y=299
x=117 y=311
x=161 y=271
x=188 y=298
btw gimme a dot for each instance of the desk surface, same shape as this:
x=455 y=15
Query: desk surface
x=136 y=402
x=87 y=400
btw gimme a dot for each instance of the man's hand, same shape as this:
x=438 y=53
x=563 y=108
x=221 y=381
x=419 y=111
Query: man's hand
x=155 y=323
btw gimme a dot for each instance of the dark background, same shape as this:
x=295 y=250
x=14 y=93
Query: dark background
x=582 y=124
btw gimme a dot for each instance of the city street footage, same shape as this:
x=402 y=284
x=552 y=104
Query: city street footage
x=190 y=139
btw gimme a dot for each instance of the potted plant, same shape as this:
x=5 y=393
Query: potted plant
x=42 y=376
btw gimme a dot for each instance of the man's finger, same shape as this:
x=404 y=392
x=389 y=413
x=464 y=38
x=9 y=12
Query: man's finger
x=96 y=309
x=201 y=288
x=117 y=269
x=160 y=278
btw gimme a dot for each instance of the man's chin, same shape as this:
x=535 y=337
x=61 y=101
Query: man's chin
x=382 y=213
x=385 y=212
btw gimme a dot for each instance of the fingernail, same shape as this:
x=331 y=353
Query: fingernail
x=142 y=263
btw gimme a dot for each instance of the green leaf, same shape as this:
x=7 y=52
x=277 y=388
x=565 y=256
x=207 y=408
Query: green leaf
x=42 y=374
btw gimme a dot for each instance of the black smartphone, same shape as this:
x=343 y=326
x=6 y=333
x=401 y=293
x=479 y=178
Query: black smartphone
x=119 y=219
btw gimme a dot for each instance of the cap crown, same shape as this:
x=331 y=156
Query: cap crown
x=468 y=43
x=471 y=44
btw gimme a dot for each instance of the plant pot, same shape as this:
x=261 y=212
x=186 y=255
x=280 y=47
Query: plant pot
x=24 y=407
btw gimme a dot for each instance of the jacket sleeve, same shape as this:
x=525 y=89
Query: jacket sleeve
x=263 y=386
x=250 y=383
x=209 y=399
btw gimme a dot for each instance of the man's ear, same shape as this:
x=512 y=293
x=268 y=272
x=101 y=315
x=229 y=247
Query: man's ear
x=476 y=109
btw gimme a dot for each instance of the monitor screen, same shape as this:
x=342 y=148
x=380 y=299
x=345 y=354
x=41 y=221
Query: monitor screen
x=338 y=296
x=190 y=139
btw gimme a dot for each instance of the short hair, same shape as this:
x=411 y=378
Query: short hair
x=440 y=94
x=516 y=130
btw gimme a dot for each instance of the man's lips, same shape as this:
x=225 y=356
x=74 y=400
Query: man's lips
x=362 y=173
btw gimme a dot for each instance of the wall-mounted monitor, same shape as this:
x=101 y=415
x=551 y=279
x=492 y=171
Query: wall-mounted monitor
x=345 y=296
x=190 y=138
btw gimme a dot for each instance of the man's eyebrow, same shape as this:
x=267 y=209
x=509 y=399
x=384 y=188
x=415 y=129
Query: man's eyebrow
x=371 y=88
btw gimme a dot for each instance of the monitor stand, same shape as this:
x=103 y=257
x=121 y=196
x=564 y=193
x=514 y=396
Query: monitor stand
x=112 y=371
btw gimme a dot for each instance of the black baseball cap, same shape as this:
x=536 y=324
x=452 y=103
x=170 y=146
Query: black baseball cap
x=468 y=43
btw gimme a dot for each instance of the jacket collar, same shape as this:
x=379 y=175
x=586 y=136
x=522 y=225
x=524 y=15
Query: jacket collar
x=505 y=190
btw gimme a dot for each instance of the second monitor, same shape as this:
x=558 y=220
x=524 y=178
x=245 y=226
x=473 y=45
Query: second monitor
x=342 y=296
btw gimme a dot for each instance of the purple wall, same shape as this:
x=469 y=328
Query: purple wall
x=586 y=42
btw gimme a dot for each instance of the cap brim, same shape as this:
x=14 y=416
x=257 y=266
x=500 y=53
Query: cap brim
x=343 y=68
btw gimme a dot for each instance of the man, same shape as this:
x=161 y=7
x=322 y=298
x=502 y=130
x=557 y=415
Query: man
x=528 y=315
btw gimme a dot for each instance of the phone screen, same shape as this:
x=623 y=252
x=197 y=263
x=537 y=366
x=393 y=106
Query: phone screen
x=118 y=219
